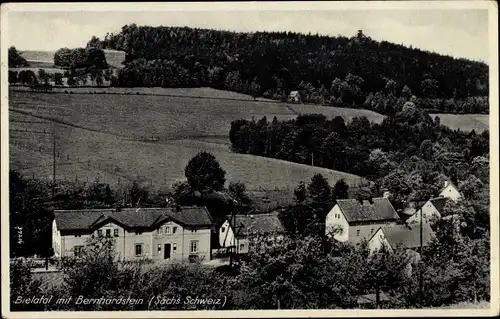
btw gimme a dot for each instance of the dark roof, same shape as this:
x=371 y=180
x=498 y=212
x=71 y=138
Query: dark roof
x=379 y=209
x=365 y=232
x=131 y=217
x=257 y=223
x=439 y=203
x=408 y=237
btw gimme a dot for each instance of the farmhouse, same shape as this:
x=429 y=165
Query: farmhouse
x=235 y=231
x=403 y=236
x=433 y=208
x=181 y=233
x=450 y=191
x=353 y=220
x=295 y=97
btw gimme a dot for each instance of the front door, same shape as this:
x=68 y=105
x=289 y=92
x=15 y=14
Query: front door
x=166 y=252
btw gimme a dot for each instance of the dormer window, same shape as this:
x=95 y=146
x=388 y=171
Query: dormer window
x=223 y=229
x=167 y=230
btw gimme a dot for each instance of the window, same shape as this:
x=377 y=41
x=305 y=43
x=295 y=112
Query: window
x=78 y=250
x=242 y=246
x=115 y=231
x=357 y=232
x=138 y=232
x=167 y=230
x=174 y=247
x=159 y=247
x=194 y=246
x=108 y=232
x=78 y=235
x=138 y=249
x=99 y=233
x=371 y=231
x=223 y=229
x=174 y=229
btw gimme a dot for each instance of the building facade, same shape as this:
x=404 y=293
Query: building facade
x=352 y=220
x=235 y=231
x=182 y=233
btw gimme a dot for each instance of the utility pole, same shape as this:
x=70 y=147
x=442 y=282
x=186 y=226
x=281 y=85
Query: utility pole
x=312 y=158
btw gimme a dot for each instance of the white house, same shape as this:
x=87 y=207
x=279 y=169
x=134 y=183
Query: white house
x=354 y=220
x=183 y=233
x=235 y=231
x=433 y=208
x=295 y=97
x=450 y=191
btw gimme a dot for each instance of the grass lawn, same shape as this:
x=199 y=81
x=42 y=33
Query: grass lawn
x=465 y=122
x=101 y=137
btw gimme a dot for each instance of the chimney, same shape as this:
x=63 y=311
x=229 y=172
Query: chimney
x=386 y=193
x=446 y=183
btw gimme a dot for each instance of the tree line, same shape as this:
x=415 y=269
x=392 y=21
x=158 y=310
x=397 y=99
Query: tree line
x=409 y=153
x=337 y=71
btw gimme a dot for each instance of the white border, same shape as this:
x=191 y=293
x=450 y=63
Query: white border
x=260 y=6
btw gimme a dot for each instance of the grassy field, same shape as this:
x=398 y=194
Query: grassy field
x=103 y=137
x=465 y=122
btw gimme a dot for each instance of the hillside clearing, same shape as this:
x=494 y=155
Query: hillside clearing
x=465 y=122
x=103 y=137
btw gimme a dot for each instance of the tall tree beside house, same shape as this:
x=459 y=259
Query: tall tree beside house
x=385 y=270
x=300 y=193
x=319 y=191
x=204 y=173
x=239 y=193
x=340 y=189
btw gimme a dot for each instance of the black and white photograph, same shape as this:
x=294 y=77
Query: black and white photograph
x=249 y=159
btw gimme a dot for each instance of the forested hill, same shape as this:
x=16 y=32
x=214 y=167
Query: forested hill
x=328 y=70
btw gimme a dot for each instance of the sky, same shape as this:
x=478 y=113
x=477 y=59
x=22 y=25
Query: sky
x=459 y=33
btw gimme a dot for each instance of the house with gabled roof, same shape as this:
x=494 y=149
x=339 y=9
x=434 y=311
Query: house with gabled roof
x=235 y=231
x=432 y=209
x=352 y=220
x=181 y=233
x=295 y=97
x=404 y=236
x=450 y=191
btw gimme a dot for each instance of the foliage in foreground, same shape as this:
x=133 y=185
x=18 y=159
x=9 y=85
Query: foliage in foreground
x=280 y=272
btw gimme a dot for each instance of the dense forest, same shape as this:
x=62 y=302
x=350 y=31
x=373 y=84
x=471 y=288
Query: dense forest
x=338 y=71
x=409 y=153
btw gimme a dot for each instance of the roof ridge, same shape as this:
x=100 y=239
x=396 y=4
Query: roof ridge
x=84 y=210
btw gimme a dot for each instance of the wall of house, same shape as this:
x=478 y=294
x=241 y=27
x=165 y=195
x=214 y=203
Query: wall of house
x=226 y=235
x=377 y=241
x=242 y=245
x=334 y=219
x=165 y=234
x=133 y=238
x=126 y=241
x=451 y=192
x=428 y=211
x=202 y=236
x=69 y=241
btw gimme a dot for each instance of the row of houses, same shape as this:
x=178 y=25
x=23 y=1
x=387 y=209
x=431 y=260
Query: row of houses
x=188 y=233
